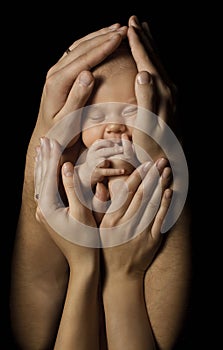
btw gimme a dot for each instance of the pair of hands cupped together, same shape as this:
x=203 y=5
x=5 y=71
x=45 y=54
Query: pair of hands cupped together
x=132 y=222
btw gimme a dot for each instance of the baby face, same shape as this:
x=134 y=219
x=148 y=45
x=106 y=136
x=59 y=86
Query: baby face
x=113 y=109
x=112 y=113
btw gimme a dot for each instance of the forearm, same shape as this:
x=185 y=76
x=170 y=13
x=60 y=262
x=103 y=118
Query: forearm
x=127 y=322
x=38 y=283
x=79 y=326
x=168 y=285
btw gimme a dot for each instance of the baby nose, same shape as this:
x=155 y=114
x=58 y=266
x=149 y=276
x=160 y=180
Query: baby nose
x=116 y=128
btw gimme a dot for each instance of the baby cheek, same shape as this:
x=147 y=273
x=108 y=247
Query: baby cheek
x=89 y=136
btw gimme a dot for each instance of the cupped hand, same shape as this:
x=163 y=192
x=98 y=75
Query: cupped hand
x=155 y=92
x=151 y=72
x=69 y=82
x=72 y=228
x=156 y=130
x=67 y=87
x=131 y=229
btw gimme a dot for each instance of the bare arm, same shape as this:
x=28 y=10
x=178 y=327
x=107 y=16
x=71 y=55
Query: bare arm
x=39 y=269
x=79 y=323
x=168 y=280
x=127 y=320
x=168 y=284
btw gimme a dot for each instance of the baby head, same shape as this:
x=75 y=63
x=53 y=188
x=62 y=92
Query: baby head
x=112 y=106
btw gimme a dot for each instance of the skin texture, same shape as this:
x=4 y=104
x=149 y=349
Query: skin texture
x=81 y=303
x=39 y=285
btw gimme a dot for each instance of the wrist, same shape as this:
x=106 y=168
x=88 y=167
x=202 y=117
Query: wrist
x=122 y=281
x=87 y=269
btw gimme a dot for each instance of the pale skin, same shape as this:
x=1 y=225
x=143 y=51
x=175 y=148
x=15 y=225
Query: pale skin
x=81 y=305
x=39 y=285
x=79 y=324
x=127 y=321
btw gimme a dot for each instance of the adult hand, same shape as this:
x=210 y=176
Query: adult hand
x=158 y=85
x=132 y=226
x=155 y=92
x=138 y=223
x=72 y=228
x=68 y=86
x=69 y=82
x=65 y=226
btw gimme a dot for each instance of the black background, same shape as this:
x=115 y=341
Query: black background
x=34 y=38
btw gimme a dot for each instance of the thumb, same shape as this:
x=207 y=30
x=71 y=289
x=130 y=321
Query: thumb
x=72 y=187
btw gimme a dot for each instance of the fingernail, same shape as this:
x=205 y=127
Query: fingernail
x=135 y=21
x=161 y=163
x=114 y=26
x=85 y=78
x=67 y=170
x=144 y=78
x=166 y=173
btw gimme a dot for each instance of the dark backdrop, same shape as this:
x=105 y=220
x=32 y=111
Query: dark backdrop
x=35 y=37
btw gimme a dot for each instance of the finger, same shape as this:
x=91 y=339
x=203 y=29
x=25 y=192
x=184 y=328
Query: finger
x=79 y=47
x=140 y=55
x=145 y=91
x=95 y=44
x=124 y=191
x=96 y=33
x=101 y=173
x=79 y=94
x=100 y=202
x=161 y=86
x=151 y=201
x=62 y=83
x=37 y=173
x=167 y=178
x=68 y=127
x=150 y=205
x=144 y=34
x=101 y=193
x=101 y=143
x=109 y=152
x=50 y=157
x=59 y=84
x=129 y=152
x=72 y=188
x=161 y=214
x=127 y=147
x=161 y=164
x=143 y=195
x=105 y=163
